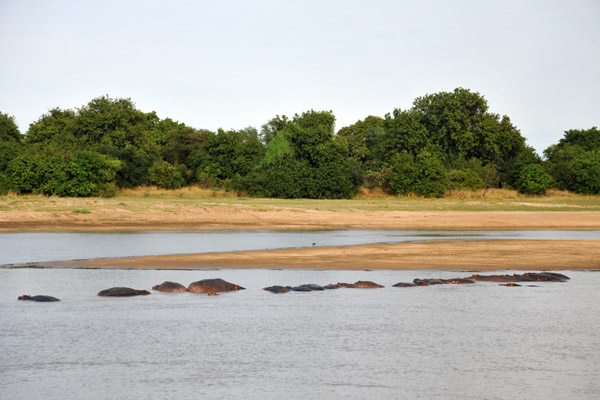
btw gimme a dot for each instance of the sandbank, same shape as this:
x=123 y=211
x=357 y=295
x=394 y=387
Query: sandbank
x=485 y=255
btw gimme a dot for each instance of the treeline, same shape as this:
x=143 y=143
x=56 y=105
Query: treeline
x=446 y=141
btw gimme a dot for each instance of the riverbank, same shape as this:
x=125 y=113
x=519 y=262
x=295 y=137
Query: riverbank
x=487 y=255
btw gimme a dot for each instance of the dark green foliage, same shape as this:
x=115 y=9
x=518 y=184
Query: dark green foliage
x=533 y=179
x=304 y=160
x=573 y=161
x=165 y=175
x=9 y=132
x=445 y=141
x=585 y=168
x=464 y=179
x=85 y=174
x=232 y=153
x=270 y=129
x=423 y=175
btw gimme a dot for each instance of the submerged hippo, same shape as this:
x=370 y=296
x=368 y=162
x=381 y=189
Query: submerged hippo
x=428 y=282
x=331 y=286
x=404 y=284
x=510 y=284
x=42 y=298
x=494 y=278
x=123 y=292
x=170 y=287
x=301 y=288
x=212 y=285
x=313 y=286
x=365 y=285
x=278 y=289
x=457 y=281
x=546 y=276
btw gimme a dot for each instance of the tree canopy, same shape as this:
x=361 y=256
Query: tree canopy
x=445 y=141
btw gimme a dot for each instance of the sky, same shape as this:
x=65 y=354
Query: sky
x=231 y=64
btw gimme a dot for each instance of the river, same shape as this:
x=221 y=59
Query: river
x=478 y=341
x=21 y=248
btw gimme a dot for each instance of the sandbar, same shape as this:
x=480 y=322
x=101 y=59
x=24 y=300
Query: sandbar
x=484 y=255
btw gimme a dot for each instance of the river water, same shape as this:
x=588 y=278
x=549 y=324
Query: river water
x=20 y=248
x=478 y=341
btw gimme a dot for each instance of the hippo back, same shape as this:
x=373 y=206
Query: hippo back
x=212 y=285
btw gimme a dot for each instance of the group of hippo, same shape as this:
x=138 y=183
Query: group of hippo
x=209 y=286
x=214 y=286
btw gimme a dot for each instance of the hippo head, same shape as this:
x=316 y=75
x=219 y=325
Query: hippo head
x=144 y=292
x=155 y=287
x=238 y=287
x=25 y=297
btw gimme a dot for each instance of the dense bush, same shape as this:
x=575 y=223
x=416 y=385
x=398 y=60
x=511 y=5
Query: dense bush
x=445 y=141
x=423 y=175
x=533 y=179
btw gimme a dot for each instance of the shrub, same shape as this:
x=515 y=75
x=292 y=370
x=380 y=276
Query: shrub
x=532 y=179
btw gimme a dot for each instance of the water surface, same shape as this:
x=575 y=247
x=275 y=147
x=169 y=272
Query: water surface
x=16 y=248
x=480 y=341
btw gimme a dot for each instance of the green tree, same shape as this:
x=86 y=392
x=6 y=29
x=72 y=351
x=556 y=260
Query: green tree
x=533 y=179
x=423 y=174
x=572 y=162
x=585 y=168
x=166 y=175
x=304 y=160
x=9 y=132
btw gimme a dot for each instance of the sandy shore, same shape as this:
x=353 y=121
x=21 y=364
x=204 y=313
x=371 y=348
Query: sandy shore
x=207 y=218
x=451 y=255
x=468 y=255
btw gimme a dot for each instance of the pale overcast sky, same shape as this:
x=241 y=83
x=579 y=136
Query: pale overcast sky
x=231 y=64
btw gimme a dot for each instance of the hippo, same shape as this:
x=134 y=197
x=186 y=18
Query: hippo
x=404 y=284
x=213 y=285
x=365 y=285
x=457 y=281
x=427 y=282
x=40 y=298
x=556 y=274
x=170 y=287
x=545 y=277
x=278 y=289
x=301 y=288
x=331 y=286
x=314 y=286
x=122 y=292
x=509 y=284
x=494 y=278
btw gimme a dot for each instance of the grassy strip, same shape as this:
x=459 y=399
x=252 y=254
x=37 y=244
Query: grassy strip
x=144 y=198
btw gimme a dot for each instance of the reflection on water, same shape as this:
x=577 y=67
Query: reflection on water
x=21 y=248
x=438 y=342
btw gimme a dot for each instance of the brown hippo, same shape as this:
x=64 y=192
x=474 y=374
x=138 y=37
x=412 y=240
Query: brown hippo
x=428 y=281
x=278 y=289
x=122 y=292
x=170 y=287
x=404 y=284
x=556 y=274
x=213 y=285
x=510 y=284
x=457 y=281
x=494 y=278
x=365 y=285
x=546 y=276
x=331 y=286
x=301 y=288
x=41 y=298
